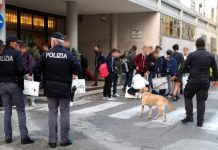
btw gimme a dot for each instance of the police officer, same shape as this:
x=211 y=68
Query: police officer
x=11 y=86
x=198 y=63
x=57 y=66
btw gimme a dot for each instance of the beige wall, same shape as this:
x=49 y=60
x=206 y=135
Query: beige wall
x=93 y=30
x=149 y=23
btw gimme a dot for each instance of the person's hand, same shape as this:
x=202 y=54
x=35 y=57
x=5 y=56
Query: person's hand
x=174 y=78
x=137 y=68
x=30 y=78
x=147 y=73
x=215 y=84
x=75 y=77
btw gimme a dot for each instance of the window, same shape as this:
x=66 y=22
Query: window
x=26 y=21
x=170 y=26
x=11 y=19
x=51 y=24
x=188 y=31
x=38 y=23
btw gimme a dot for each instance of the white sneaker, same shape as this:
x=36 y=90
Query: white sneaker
x=71 y=104
x=111 y=99
x=33 y=104
x=117 y=95
x=105 y=98
x=136 y=95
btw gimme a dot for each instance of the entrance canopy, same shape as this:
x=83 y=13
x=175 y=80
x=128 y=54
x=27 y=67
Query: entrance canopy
x=85 y=6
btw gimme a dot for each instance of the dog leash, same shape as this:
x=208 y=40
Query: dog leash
x=160 y=85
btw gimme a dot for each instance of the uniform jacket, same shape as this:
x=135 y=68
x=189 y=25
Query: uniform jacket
x=141 y=61
x=11 y=65
x=199 y=64
x=99 y=59
x=57 y=66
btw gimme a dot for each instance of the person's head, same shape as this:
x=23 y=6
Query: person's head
x=200 y=43
x=158 y=48
x=45 y=47
x=134 y=47
x=66 y=42
x=176 y=47
x=11 y=41
x=156 y=54
x=115 y=53
x=185 y=51
x=147 y=50
x=1 y=45
x=19 y=43
x=57 y=39
x=97 y=47
x=169 y=52
x=33 y=45
x=23 y=48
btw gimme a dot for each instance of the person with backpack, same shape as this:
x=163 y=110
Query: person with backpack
x=110 y=62
x=117 y=72
x=178 y=57
x=128 y=66
x=170 y=71
x=99 y=60
x=161 y=67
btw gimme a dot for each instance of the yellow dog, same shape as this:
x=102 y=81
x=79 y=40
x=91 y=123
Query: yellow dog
x=150 y=100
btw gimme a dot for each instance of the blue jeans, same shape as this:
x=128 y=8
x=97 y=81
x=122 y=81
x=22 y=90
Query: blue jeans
x=129 y=76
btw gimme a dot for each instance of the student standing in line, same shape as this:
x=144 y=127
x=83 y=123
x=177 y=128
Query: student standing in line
x=110 y=61
x=179 y=60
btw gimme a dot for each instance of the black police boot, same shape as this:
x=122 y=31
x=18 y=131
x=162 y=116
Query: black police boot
x=27 y=140
x=52 y=145
x=66 y=143
x=187 y=120
x=200 y=124
x=8 y=141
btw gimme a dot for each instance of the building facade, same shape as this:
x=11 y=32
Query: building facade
x=113 y=23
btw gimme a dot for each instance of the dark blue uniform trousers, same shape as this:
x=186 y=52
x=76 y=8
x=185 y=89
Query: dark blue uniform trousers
x=10 y=92
x=53 y=105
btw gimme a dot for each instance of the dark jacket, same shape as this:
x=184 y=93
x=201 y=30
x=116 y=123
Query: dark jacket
x=161 y=65
x=110 y=63
x=199 y=64
x=57 y=66
x=99 y=59
x=29 y=63
x=11 y=65
x=178 y=57
x=151 y=63
x=141 y=62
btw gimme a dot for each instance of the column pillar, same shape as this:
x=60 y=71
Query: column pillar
x=72 y=23
x=3 y=22
x=114 y=30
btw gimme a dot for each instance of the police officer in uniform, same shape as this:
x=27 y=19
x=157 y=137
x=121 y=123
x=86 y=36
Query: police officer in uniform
x=57 y=66
x=198 y=63
x=11 y=86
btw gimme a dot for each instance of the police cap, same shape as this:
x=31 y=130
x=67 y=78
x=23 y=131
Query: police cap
x=11 y=38
x=58 y=35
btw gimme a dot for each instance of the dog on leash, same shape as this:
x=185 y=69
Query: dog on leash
x=150 y=100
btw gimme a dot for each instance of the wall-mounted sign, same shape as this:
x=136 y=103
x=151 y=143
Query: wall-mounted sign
x=1 y=21
x=136 y=34
x=1 y=4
